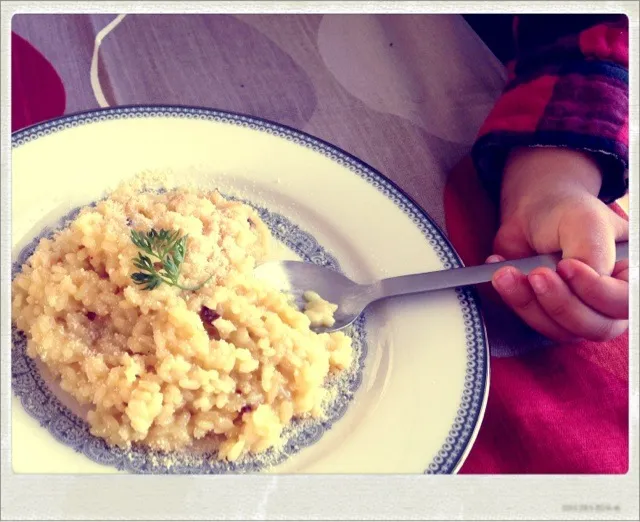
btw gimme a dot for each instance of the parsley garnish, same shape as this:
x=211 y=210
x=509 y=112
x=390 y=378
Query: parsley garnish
x=169 y=248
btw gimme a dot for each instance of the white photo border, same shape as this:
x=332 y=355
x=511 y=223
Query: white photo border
x=314 y=497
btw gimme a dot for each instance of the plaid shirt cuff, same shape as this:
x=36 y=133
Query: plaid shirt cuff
x=572 y=93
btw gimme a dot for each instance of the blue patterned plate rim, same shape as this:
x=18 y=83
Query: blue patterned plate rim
x=462 y=434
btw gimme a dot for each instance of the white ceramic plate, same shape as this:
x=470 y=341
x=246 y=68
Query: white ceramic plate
x=415 y=403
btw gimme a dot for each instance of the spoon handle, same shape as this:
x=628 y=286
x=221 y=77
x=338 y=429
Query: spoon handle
x=458 y=277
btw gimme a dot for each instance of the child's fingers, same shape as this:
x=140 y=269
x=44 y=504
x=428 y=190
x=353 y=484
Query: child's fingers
x=511 y=243
x=567 y=310
x=621 y=270
x=495 y=259
x=607 y=295
x=515 y=290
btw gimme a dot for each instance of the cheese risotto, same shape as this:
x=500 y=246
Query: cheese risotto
x=232 y=361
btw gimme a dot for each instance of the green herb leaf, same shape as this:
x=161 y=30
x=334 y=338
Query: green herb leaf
x=170 y=249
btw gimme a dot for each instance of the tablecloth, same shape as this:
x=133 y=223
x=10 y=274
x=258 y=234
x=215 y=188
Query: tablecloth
x=406 y=94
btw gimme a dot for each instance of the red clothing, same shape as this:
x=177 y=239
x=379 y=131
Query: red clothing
x=554 y=408
x=568 y=87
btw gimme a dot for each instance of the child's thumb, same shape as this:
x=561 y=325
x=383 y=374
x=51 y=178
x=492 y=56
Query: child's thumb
x=594 y=241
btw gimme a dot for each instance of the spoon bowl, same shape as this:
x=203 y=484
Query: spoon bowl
x=297 y=277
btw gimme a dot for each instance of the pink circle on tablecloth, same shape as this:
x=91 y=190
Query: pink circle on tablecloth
x=37 y=92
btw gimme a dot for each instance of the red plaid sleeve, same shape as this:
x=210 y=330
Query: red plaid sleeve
x=567 y=87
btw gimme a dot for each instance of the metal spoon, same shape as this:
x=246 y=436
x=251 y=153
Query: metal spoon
x=297 y=277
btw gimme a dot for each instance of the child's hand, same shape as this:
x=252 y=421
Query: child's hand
x=550 y=204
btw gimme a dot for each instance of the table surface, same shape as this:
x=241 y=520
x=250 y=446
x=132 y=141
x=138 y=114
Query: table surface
x=406 y=94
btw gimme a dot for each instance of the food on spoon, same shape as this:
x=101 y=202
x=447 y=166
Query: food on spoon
x=319 y=311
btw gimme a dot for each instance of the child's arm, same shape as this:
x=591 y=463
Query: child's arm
x=568 y=87
x=555 y=150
